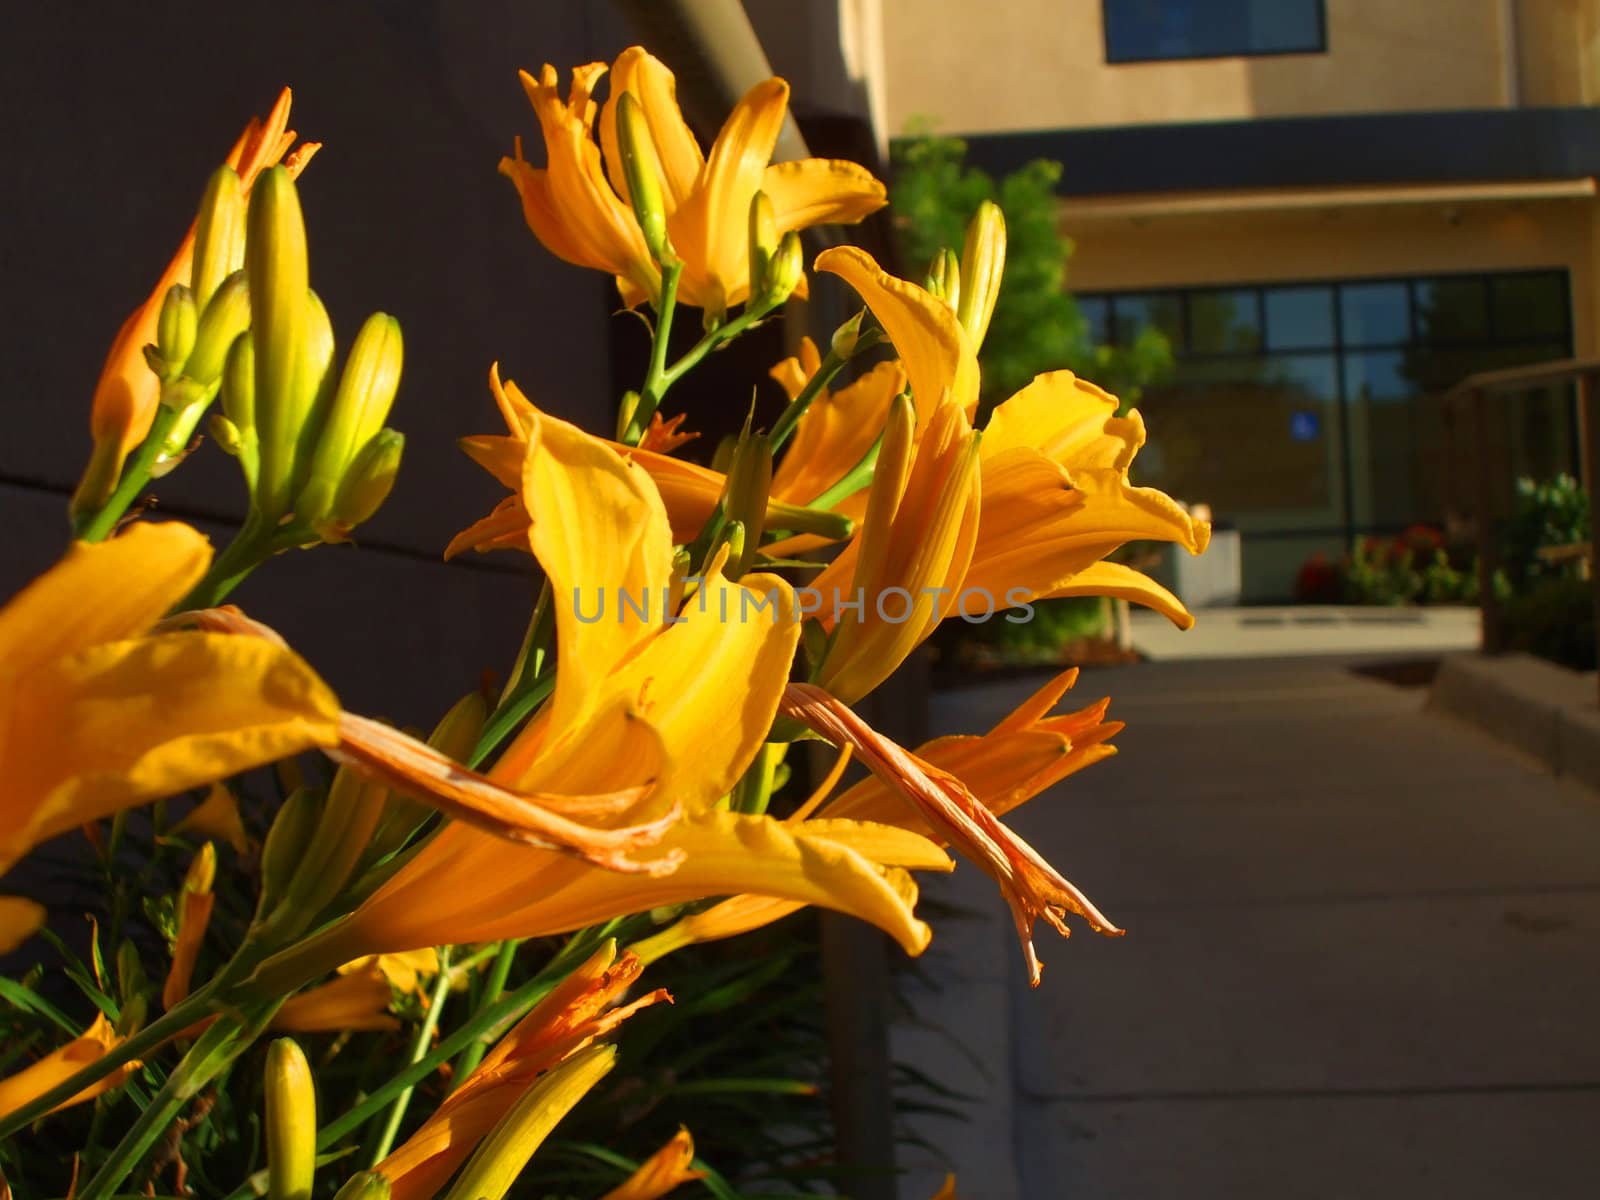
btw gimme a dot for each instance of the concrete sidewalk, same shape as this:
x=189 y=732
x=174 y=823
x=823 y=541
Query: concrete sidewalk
x=1363 y=957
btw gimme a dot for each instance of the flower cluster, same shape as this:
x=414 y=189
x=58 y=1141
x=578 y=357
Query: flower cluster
x=621 y=787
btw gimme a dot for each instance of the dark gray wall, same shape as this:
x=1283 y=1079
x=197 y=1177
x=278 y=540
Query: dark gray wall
x=112 y=116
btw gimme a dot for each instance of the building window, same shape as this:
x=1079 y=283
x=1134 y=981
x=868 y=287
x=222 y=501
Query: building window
x=1307 y=414
x=1156 y=30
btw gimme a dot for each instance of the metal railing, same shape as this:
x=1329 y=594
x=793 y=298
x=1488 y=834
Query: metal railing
x=1477 y=393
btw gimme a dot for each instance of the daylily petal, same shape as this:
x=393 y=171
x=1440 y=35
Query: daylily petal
x=938 y=355
x=101 y=592
x=404 y=972
x=358 y=1000
x=794 y=372
x=60 y=1065
x=218 y=817
x=1124 y=583
x=664 y=1170
x=821 y=191
x=125 y=722
x=20 y=918
x=837 y=430
x=710 y=229
x=1068 y=420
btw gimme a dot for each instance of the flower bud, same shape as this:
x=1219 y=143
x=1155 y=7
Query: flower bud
x=642 y=170
x=763 y=241
x=175 y=331
x=218 y=234
x=364 y=1185
x=225 y=434
x=291 y=1122
x=275 y=257
x=287 y=843
x=366 y=485
x=239 y=407
x=745 y=496
x=625 y=411
x=499 y=1159
x=847 y=336
x=365 y=394
x=224 y=319
x=944 y=277
x=314 y=391
x=983 y=262
x=722 y=456
x=733 y=537
x=785 y=271
x=130 y=974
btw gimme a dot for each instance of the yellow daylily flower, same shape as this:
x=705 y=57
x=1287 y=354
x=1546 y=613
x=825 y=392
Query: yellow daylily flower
x=911 y=553
x=667 y=706
x=405 y=972
x=664 y=1170
x=20 y=918
x=128 y=392
x=580 y=217
x=217 y=816
x=1055 y=458
x=62 y=1064
x=98 y=718
x=582 y=1009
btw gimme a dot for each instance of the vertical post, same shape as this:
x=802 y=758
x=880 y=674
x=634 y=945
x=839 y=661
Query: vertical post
x=1589 y=423
x=1492 y=635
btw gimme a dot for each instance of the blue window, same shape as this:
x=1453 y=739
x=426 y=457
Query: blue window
x=1153 y=30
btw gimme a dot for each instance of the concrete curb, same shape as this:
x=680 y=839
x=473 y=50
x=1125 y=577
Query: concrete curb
x=1545 y=711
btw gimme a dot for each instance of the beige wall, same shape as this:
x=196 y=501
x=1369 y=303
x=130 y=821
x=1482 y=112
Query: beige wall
x=977 y=66
x=1117 y=254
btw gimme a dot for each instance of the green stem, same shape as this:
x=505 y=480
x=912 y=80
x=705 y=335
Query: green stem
x=656 y=382
x=97 y=526
x=494 y=985
x=790 y=417
x=161 y=1030
x=226 y=1038
x=853 y=480
x=425 y=1032
x=250 y=547
x=510 y=714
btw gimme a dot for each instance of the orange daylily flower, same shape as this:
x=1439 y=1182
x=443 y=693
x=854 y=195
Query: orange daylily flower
x=582 y=1009
x=195 y=901
x=62 y=1064
x=1032 y=888
x=1055 y=459
x=1027 y=752
x=405 y=972
x=660 y=705
x=664 y=1170
x=582 y=218
x=128 y=392
x=217 y=816
x=838 y=428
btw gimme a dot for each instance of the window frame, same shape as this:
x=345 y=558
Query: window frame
x=1119 y=61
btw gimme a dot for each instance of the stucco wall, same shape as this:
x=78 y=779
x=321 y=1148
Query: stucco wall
x=1031 y=64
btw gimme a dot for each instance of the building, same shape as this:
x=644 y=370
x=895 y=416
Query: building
x=1335 y=208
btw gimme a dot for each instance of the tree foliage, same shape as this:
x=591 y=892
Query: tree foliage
x=1037 y=326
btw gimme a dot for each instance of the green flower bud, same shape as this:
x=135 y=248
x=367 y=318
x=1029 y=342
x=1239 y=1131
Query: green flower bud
x=175 y=330
x=722 y=456
x=625 y=411
x=275 y=257
x=845 y=338
x=642 y=171
x=218 y=234
x=983 y=262
x=239 y=405
x=745 y=497
x=784 y=272
x=366 y=485
x=360 y=405
x=291 y=1122
x=763 y=241
x=287 y=843
x=733 y=537
x=224 y=319
x=225 y=434
x=944 y=277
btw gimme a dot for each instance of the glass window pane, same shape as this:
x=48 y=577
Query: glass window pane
x=1139 y=30
x=1224 y=322
x=1159 y=310
x=1452 y=310
x=1530 y=306
x=1299 y=318
x=1397 y=441
x=1375 y=314
x=1096 y=311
